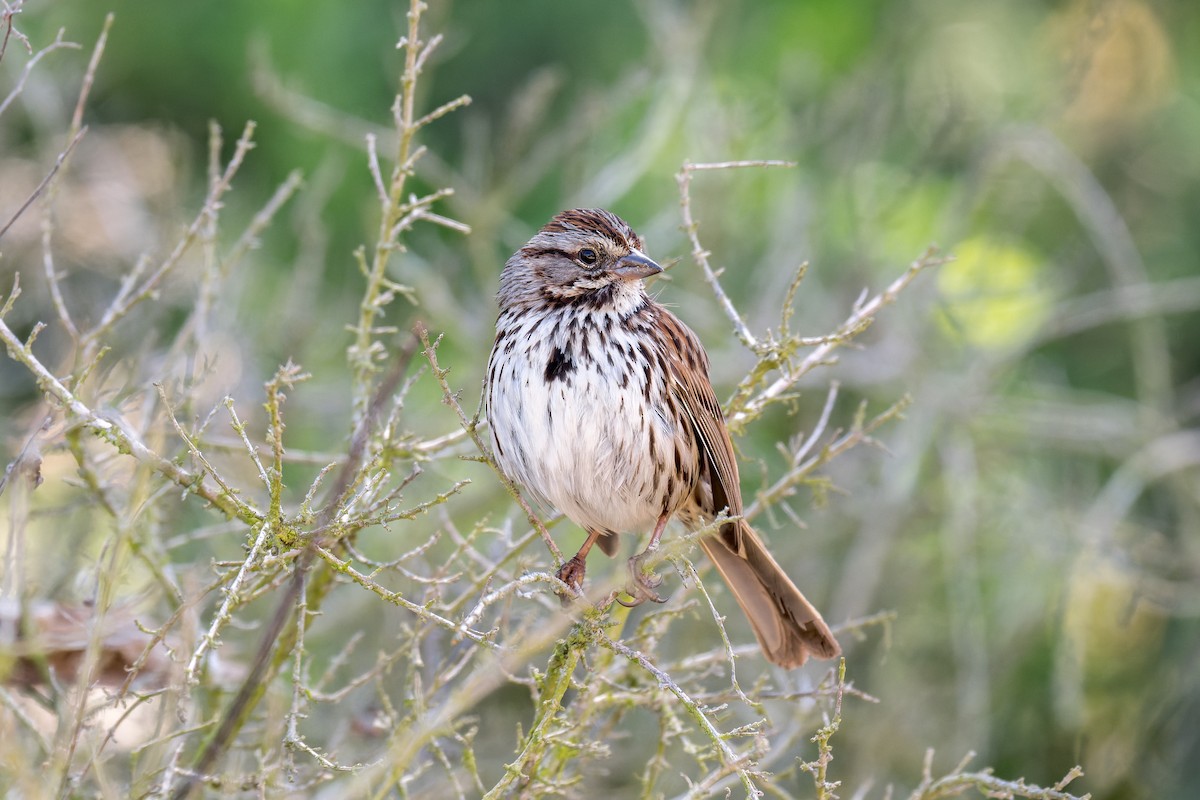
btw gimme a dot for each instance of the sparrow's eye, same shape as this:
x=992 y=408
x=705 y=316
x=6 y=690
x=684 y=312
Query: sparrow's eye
x=588 y=256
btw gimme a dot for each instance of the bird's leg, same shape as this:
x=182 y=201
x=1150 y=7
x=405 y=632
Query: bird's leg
x=642 y=582
x=572 y=571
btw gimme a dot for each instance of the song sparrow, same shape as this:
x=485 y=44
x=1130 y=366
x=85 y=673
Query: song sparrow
x=600 y=405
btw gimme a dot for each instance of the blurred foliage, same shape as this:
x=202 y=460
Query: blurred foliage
x=1036 y=523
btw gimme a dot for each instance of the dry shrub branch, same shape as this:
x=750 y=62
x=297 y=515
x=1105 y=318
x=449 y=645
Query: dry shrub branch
x=197 y=658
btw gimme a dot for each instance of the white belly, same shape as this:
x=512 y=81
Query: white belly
x=565 y=428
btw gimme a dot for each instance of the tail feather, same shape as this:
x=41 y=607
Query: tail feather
x=789 y=629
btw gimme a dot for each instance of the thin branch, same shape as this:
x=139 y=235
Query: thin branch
x=89 y=75
x=684 y=179
x=735 y=762
x=957 y=782
x=472 y=429
x=225 y=613
x=860 y=316
x=228 y=493
x=57 y=44
x=41 y=187
x=128 y=296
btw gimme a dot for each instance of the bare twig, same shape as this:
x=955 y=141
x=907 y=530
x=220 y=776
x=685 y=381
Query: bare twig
x=957 y=782
x=734 y=762
x=471 y=427
x=684 y=179
x=398 y=213
x=819 y=769
x=19 y=87
x=861 y=315
x=225 y=613
x=41 y=187
x=130 y=295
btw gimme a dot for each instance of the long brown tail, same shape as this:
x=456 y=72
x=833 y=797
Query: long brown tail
x=788 y=628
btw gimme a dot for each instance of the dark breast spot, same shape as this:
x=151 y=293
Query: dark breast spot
x=600 y=298
x=560 y=365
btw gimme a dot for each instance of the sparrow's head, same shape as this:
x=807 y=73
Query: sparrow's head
x=586 y=256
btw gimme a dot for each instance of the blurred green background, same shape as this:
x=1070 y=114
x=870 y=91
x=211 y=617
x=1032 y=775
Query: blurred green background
x=1035 y=521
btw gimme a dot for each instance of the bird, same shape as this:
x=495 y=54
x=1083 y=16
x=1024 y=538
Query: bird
x=600 y=405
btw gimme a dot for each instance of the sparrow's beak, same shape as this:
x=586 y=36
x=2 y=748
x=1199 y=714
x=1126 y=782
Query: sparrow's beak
x=636 y=266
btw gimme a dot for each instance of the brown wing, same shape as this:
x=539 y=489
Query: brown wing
x=689 y=371
x=787 y=626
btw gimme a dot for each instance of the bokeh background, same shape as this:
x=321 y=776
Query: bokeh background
x=1034 y=520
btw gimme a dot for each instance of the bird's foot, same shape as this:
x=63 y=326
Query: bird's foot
x=571 y=573
x=642 y=583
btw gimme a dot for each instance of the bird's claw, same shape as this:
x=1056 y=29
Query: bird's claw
x=642 y=584
x=571 y=573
